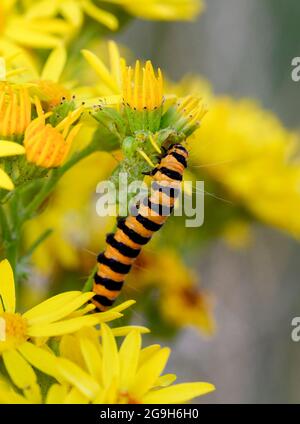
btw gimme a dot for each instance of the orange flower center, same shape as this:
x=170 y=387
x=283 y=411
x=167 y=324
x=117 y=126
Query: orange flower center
x=13 y=329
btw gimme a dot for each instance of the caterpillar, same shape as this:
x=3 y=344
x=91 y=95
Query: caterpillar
x=133 y=232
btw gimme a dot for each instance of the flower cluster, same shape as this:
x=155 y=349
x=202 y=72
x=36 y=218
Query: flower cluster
x=58 y=337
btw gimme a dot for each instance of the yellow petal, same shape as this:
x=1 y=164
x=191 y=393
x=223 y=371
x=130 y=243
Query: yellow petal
x=110 y=364
x=69 y=348
x=178 y=393
x=33 y=393
x=27 y=36
x=71 y=11
x=9 y=396
x=5 y=182
x=9 y=148
x=50 y=305
x=123 y=331
x=147 y=353
x=42 y=9
x=149 y=372
x=78 y=378
x=102 y=16
x=56 y=394
x=18 y=369
x=92 y=358
x=123 y=306
x=7 y=287
x=101 y=70
x=61 y=312
x=75 y=397
x=55 y=65
x=165 y=380
x=114 y=58
x=64 y=327
x=40 y=359
x=129 y=357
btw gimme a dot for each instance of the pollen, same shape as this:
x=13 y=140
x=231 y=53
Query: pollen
x=15 y=109
x=142 y=88
x=47 y=146
x=13 y=329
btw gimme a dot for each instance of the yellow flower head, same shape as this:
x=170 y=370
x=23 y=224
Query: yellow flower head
x=47 y=146
x=15 y=110
x=20 y=334
x=102 y=373
x=142 y=89
x=186 y=115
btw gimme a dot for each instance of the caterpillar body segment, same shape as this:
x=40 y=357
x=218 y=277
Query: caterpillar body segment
x=133 y=232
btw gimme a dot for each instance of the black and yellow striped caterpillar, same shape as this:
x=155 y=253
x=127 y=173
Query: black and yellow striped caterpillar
x=133 y=232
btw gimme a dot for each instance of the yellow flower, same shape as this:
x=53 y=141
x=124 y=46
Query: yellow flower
x=47 y=146
x=15 y=110
x=142 y=89
x=162 y=9
x=251 y=155
x=103 y=374
x=8 y=148
x=73 y=12
x=21 y=29
x=19 y=333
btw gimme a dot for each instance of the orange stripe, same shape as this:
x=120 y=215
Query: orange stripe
x=121 y=237
x=113 y=253
x=99 y=306
x=105 y=272
x=102 y=291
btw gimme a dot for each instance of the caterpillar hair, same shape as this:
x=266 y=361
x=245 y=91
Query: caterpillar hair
x=133 y=232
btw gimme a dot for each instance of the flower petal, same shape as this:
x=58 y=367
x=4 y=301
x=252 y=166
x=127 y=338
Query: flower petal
x=149 y=372
x=147 y=353
x=9 y=396
x=56 y=394
x=63 y=311
x=101 y=70
x=178 y=393
x=110 y=364
x=78 y=378
x=18 y=369
x=165 y=380
x=65 y=327
x=40 y=358
x=55 y=64
x=102 y=16
x=5 y=181
x=75 y=397
x=123 y=331
x=92 y=358
x=129 y=357
x=7 y=287
x=50 y=305
x=9 y=148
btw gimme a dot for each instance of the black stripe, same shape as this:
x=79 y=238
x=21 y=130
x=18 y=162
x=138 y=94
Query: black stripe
x=113 y=264
x=180 y=158
x=108 y=283
x=177 y=146
x=121 y=247
x=161 y=210
x=147 y=223
x=133 y=235
x=167 y=190
x=174 y=175
x=103 y=300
